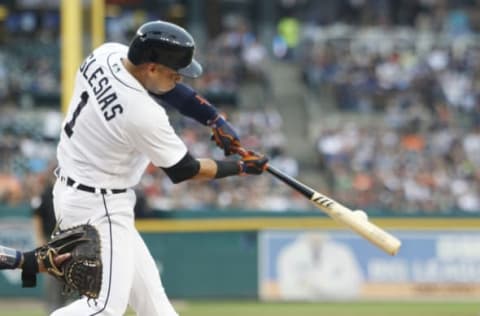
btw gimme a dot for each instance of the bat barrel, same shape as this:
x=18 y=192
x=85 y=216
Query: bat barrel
x=382 y=239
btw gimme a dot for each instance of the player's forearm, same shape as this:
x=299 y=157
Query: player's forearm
x=10 y=258
x=217 y=169
x=189 y=168
x=189 y=103
x=212 y=169
x=207 y=170
x=29 y=262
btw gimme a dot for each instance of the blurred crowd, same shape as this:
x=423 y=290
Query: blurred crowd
x=424 y=77
x=422 y=165
x=421 y=75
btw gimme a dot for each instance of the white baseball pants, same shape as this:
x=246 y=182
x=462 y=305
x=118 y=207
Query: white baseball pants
x=130 y=275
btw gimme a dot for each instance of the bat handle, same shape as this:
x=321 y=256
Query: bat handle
x=297 y=185
x=242 y=151
x=245 y=153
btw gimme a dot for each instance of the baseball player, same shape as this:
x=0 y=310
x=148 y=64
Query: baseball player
x=113 y=129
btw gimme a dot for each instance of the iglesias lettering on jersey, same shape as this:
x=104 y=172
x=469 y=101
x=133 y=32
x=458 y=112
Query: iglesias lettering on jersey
x=101 y=87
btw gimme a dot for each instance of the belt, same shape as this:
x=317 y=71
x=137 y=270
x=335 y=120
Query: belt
x=82 y=187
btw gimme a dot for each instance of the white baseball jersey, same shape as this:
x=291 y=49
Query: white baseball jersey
x=113 y=128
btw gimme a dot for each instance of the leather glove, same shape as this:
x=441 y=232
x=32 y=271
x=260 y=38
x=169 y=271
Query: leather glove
x=224 y=135
x=253 y=163
x=82 y=273
x=72 y=256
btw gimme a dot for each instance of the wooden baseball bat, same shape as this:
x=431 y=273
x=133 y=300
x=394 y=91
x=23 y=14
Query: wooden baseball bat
x=362 y=226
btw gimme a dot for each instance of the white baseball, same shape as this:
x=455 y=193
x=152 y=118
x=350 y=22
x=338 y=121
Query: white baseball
x=361 y=215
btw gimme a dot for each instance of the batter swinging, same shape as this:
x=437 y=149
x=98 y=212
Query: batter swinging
x=114 y=128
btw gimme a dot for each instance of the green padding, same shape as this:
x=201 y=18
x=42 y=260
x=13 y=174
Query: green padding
x=10 y=285
x=203 y=265
x=21 y=210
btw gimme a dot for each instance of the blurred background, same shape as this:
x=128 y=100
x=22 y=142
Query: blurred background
x=375 y=103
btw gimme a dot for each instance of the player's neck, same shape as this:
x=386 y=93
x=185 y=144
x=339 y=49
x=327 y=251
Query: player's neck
x=134 y=70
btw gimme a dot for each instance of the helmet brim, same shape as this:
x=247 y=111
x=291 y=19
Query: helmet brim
x=194 y=70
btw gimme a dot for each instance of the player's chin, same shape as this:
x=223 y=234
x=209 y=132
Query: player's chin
x=162 y=90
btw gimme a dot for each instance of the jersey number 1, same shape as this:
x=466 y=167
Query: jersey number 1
x=68 y=128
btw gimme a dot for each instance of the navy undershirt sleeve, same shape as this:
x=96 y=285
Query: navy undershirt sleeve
x=188 y=102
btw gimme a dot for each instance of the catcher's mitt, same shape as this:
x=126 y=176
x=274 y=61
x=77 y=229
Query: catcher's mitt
x=82 y=272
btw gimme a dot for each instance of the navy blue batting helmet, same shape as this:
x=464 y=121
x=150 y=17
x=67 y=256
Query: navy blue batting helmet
x=166 y=44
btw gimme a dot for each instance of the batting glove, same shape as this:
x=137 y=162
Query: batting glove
x=253 y=163
x=224 y=135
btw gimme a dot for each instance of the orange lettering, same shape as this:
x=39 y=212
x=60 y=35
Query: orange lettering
x=201 y=99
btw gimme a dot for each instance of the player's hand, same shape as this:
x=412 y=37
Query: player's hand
x=253 y=163
x=224 y=135
x=59 y=260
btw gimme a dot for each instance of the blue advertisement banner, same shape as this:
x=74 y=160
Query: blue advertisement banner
x=338 y=265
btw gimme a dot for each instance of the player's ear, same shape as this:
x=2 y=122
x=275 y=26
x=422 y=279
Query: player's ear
x=151 y=68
